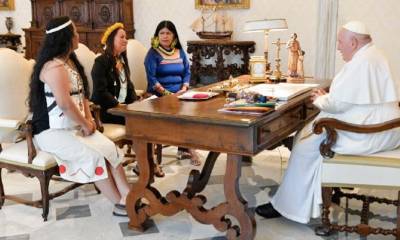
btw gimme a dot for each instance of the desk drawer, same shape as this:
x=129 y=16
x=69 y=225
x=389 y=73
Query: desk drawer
x=280 y=126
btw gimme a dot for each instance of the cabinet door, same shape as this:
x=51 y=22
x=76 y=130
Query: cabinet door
x=93 y=42
x=105 y=13
x=127 y=14
x=78 y=11
x=45 y=10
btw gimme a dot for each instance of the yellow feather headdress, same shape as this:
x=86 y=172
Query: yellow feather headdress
x=109 y=30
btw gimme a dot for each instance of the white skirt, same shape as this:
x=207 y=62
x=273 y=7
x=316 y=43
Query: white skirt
x=80 y=159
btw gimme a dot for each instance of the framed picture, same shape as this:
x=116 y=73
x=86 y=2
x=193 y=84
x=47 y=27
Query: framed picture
x=209 y=4
x=6 y=5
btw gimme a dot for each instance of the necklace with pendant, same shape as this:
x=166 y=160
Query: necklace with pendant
x=121 y=73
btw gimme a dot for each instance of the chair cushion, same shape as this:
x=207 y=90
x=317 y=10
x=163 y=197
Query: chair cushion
x=139 y=92
x=378 y=170
x=17 y=154
x=114 y=132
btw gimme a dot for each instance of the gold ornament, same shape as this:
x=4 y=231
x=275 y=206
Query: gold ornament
x=173 y=44
x=155 y=42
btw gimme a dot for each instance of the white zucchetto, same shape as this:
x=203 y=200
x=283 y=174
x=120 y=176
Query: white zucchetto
x=356 y=27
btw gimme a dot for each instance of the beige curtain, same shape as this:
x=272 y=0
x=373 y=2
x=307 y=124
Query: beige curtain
x=326 y=39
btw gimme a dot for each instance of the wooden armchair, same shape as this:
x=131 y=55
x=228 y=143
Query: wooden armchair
x=380 y=170
x=17 y=151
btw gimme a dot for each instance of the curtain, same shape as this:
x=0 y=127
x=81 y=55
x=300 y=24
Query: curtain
x=326 y=39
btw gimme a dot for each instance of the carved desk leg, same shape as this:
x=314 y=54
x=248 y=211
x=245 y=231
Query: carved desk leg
x=237 y=206
x=141 y=188
x=197 y=181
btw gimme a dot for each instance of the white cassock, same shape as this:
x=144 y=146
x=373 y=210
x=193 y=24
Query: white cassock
x=363 y=92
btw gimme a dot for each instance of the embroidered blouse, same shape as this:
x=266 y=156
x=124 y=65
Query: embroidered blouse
x=170 y=73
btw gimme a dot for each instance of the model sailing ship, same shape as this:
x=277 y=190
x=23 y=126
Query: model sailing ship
x=213 y=25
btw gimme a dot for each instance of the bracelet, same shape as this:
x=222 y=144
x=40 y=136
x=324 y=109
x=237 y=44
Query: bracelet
x=165 y=92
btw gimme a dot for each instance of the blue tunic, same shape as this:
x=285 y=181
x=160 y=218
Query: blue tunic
x=170 y=73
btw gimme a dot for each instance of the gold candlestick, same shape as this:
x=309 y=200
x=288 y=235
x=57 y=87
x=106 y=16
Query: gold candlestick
x=277 y=74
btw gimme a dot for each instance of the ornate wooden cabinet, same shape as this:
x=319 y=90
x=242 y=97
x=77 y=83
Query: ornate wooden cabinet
x=90 y=16
x=10 y=40
x=220 y=66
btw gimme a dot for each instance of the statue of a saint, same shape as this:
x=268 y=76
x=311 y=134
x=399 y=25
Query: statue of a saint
x=294 y=52
x=300 y=65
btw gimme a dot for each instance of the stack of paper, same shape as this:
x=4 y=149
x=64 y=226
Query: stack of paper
x=281 y=91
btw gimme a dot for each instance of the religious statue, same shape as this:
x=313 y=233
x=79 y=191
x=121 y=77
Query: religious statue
x=300 y=66
x=295 y=60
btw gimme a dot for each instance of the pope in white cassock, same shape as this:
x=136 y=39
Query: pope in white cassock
x=363 y=92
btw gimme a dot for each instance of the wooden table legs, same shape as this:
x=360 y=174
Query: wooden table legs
x=237 y=206
x=190 y=199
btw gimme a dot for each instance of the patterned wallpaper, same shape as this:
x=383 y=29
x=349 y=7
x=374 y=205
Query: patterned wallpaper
x=383 y=20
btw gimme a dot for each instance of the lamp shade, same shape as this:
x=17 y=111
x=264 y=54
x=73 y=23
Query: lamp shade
x=266 y=25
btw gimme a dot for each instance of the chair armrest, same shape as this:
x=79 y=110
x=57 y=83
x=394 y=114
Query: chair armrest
x=139 y=92
x=331 y=126
x=95 y=109
x=27 y=134
x=10 y=123
x=26 y=128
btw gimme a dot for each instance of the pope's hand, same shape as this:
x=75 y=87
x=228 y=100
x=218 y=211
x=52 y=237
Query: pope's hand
x=316 y=93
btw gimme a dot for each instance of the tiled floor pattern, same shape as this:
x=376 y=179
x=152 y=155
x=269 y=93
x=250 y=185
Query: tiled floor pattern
x=83 y=214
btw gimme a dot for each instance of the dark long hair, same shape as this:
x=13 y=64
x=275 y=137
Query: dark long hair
x=55 y=45
x=110 y=53
x=171 y=27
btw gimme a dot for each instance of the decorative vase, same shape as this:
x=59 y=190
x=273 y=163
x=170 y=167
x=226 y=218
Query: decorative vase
x=9 y=24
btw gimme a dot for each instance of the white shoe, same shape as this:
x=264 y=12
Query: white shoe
x=120 y=210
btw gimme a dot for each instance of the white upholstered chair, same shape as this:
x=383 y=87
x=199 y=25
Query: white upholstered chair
x=380 y=170
x=86 y=57
x=19 y=154
x=136 y=53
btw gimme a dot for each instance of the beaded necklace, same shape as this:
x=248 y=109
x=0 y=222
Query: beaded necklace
x=166 y=51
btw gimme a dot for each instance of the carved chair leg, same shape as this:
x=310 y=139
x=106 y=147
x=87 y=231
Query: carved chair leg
x=129 y=149
x=398 y=217
x=2 y=195
x=44 y=186
x=365 y=210
x=96 y=188
x=159 y=153
x=325 y=228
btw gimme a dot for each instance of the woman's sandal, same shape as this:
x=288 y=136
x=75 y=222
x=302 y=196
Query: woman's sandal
x=194 y=159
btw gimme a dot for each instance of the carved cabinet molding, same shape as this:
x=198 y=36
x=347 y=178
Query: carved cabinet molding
x=218 y=51
x=91 y=17
x=10 y=40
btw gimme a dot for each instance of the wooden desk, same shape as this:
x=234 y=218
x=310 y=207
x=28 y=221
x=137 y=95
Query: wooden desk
x=198 y=125
x=218 y=50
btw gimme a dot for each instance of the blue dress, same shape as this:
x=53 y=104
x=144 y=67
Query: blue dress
x=170 y=73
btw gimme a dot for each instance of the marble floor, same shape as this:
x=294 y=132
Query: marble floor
x=84 y=214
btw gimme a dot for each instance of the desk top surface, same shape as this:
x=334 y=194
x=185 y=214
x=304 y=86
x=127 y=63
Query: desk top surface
x=205 y=111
